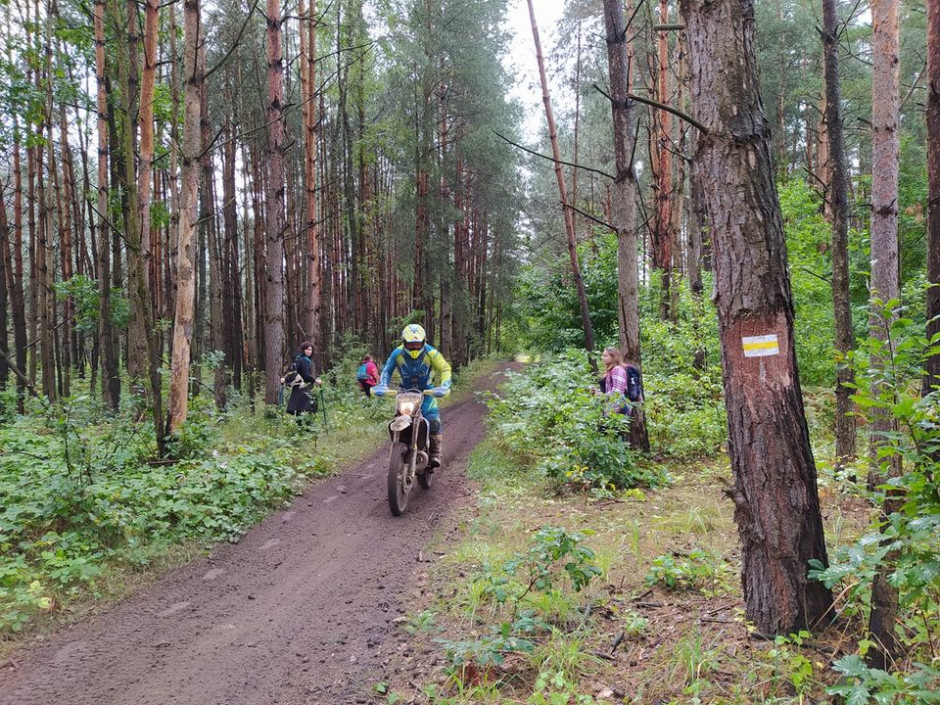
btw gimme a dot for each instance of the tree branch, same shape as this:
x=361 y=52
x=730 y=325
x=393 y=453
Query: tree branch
x=662 y=106
x=551 y=159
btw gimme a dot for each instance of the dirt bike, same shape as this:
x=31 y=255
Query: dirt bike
x=410 y=435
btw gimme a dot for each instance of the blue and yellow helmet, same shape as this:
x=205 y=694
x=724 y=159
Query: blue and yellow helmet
x=414 y=339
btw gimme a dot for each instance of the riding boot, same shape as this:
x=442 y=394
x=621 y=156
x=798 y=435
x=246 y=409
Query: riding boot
x=435 y=460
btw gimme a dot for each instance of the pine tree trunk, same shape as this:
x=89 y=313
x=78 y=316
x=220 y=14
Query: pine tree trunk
x=838 y=205
x=932 y=378
x=177 y=403
x=885 y=286
x=312 y=227
x=107 y=345
x=275 y=205
x=775 y=494
x=623 y=204
x=567 y=213
x=5 y=267
x=663 y=235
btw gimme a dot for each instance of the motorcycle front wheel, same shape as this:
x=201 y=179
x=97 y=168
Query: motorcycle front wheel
x=397 y=472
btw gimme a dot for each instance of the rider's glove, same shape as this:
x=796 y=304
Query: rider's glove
x=440 y=391
x=379 y=390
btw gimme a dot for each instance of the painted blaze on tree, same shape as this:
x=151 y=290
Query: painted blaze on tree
x=775 y=494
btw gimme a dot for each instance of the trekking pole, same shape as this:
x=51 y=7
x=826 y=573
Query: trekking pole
x=326 y=426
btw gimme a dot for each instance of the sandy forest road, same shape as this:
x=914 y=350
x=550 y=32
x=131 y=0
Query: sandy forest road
x=301 y=610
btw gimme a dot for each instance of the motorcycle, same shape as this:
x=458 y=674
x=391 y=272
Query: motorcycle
x=410 y=434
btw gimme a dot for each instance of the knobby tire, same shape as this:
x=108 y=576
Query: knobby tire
x=397 y=496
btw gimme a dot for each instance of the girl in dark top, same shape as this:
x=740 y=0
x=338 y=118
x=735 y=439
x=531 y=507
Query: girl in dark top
x=301 y=400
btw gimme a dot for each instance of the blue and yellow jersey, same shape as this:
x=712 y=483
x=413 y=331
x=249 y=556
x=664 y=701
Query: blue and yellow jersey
x=429 y=370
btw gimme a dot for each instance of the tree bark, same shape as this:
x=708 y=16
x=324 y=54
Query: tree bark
x=933 y=188
x=312 y=227
x=275 y=205
x=177 y=404
x=110 y=375
x=567 y=213
x=775 y=494
x=623 y=206
x=885 y=286
x=663 y=236
x=838 y=200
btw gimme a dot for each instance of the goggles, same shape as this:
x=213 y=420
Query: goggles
x=415 y=345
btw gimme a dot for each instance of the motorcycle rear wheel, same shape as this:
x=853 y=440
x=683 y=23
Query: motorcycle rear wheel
x=397 y=469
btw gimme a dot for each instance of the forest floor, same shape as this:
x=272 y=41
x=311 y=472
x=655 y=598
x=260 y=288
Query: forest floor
x=334 y=601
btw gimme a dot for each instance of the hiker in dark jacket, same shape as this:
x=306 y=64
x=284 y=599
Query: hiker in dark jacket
x=301 y=399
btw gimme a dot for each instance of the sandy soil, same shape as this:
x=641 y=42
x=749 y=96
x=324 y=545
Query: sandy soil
x=301 y=610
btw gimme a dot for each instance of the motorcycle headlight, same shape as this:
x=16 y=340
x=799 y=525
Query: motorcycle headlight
x=406 y=408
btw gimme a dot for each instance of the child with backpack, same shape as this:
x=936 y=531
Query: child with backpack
x=621 y=382
x=367 y=375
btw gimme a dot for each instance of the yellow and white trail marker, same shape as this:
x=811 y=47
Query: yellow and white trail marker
x=760 y=346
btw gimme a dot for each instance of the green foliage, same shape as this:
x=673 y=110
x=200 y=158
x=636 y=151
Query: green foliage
x=554 y=553
x=80 y=493
x=888 y=374
x=83 y=292
x=697 y=570
x=548 y=414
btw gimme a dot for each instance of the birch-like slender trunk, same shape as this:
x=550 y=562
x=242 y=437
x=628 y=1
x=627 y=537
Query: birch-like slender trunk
x=567 y=213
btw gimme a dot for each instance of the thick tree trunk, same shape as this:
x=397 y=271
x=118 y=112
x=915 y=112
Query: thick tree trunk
x=838 y=206
x=775 y=494
x=567 y=213
x=177 y=404
x=275 y=205
x=623 y=207
x=110 y=375
x=885 y=286
x=933 y=187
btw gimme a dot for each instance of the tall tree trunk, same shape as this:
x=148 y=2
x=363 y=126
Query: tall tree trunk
x=885 y=286
x=312 y=227
x=775 y=494
x=177 y=404
x=145 y=171
x=663 y=235
x=110 y=375
x=933 y=187
x=275 y=204
x=838 y=205
x=563 y=195
x=5 y=280
x=144 y=359
x=623 y=207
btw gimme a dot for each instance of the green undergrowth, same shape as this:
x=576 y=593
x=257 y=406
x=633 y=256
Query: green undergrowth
x=640 y=602
x=86 y=512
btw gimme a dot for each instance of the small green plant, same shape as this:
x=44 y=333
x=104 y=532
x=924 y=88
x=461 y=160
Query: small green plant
x=790 y=663
x=697 y=570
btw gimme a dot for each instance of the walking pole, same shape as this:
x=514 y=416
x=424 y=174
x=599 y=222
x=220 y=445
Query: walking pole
x=326 y=427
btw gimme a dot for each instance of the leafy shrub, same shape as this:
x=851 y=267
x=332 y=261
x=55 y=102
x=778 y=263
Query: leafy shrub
x=554 y=553
x=908 y=537
x=548 y=414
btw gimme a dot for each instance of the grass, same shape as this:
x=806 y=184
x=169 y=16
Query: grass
x=624 y=638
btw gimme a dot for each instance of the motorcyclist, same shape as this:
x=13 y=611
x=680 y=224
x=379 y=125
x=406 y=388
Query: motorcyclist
x=417 y=363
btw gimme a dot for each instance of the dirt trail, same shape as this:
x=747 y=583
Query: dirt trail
x=301 y=610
